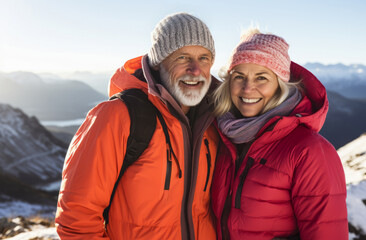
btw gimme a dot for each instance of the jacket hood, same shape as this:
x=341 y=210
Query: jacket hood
x=314 y=107
x=311 y=111
x=123 y=78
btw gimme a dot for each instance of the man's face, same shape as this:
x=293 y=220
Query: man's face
x=186 y=74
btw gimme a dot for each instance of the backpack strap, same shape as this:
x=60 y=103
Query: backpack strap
x=143 y=123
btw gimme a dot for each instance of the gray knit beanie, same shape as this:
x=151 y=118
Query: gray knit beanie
x=176 y=31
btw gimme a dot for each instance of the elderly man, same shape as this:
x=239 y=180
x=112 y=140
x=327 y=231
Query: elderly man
x=165 y=193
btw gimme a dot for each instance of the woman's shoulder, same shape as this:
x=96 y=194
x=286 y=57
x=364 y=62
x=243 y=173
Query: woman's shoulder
x=304 y=141
x=306 y=136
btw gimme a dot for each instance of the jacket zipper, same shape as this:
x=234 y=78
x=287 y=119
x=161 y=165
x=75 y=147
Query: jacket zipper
x=168 y=168
x=208 y=157
x=248 y=165
x=169 y=163
x=242 y=177
x=169 y=154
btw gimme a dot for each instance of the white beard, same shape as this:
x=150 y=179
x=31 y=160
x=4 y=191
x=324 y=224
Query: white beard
x=186 y=98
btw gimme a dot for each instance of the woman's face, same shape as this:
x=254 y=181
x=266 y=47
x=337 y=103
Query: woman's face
x=251 y=87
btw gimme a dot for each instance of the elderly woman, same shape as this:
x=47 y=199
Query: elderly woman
x=275 y=176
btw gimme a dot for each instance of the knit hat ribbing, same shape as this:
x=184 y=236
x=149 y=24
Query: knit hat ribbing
x=176 y=31
x=267 y=50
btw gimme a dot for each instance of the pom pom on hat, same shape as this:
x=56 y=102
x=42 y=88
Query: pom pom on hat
x=267 y=50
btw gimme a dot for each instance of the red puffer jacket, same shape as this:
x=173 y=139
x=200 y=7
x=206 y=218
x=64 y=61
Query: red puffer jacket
x=290 y=182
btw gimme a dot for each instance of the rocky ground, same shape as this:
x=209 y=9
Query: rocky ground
x=10 y=227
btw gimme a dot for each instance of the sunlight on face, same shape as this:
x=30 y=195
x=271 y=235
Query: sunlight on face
x=251 y=88
x=186 y=74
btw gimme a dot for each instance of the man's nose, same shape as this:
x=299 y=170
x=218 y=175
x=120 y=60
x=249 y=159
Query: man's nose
x=194 y=68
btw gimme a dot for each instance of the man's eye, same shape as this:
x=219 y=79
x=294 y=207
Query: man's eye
x=181 y=57
x=238 y=77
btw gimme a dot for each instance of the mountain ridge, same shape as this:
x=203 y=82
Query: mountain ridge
x=28 y=151
x=45 y=99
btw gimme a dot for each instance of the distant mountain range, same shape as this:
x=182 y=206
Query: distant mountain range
x=98 y=81
x=48 y=99
x=345 y=121
x=348 y=81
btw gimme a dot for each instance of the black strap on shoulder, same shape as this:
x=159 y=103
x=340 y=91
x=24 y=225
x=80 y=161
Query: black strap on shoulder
x=143 y=123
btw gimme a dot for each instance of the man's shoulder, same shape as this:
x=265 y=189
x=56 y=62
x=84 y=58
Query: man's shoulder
x=109 y=107
x=108 y=112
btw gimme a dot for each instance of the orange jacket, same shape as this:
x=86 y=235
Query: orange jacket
x=141 y=208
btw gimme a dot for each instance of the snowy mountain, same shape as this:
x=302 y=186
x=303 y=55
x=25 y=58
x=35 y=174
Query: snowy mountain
x=48 y=100
x=28 y=151
x=337 y=71
x=353 y=156
x=349 y=81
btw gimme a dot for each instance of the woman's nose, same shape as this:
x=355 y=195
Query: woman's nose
x=247 y=86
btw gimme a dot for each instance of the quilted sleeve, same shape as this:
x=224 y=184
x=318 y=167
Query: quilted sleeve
x=319 y=191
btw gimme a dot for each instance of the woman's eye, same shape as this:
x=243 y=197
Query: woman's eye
x=261 y=78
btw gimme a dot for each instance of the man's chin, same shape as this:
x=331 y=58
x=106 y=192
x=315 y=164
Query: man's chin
x=190 y=101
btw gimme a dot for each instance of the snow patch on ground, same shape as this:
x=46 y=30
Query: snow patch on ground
x=356 y=208
x=37 y=232
x=353 y=156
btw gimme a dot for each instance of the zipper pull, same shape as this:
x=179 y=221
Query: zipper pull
x=171 y=152
x=208 y=157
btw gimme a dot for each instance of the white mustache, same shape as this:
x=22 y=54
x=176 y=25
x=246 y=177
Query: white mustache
x=199 y=78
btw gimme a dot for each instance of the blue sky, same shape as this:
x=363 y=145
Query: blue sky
x=90 y=35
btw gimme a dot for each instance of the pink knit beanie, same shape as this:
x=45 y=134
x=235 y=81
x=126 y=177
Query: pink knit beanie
x=267 y=50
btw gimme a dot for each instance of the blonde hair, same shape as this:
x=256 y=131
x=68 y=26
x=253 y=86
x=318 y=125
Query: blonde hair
x=222 y=96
